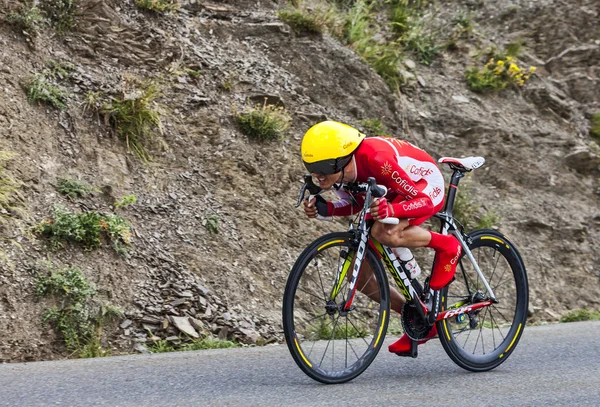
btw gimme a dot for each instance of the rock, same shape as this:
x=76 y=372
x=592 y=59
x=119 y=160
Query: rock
x=583 y=160
x=460 y=99
x=138 y=347
x=178 y=302
x=410 y=64
x=185 y=294
x=250 y=336
x=125 y=324
x=183 y=324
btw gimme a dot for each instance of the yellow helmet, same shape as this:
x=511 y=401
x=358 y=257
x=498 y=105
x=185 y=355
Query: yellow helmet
x=327 y=147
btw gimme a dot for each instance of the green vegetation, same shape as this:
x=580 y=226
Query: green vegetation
x=38 y=89
x=9 y=187
x=78 y=320
x=595 y=128
x=471 y=215
x=29 y=19
x=134 y=116
x=316 y=21
x=158 y=6
x=162 y=346
x=85 y=228
x=9 y=197
x=212 y=223
x=264 y=123
x=61 y=13
x=126 y=201
x=373 y=127
x=73 y=188
x=497 y=75
x=407 y=22
x=325 y=330
x=59 y=70
x=581 y=315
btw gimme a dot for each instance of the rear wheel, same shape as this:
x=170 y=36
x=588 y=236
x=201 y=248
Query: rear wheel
x=329 y=344
x=482 y=339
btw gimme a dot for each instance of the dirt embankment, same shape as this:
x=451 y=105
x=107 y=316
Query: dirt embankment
x=541 y=173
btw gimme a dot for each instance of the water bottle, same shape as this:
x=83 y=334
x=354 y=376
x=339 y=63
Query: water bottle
x=408 y=261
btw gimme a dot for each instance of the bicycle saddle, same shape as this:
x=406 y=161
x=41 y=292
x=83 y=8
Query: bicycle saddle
x=465 y=163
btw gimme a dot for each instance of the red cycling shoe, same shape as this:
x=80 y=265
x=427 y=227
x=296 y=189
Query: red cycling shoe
x=402 y=347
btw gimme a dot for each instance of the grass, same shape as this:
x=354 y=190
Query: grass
x=325 y=331
x=595 y=127
x=360 y=33
x=158 y=6
x=125 y=201
x=74 y=315
x=302 y=23
x=135 y=117
x=264 y=123
x=373 y=127
x=409 y=26
x=73 y=188
x=9 y=187
x=29 y=19
x=38 y=89
x=61 y=14
x=581 y=315
x=471 y=215
x=85 y=228
x=212 y=223
x=162 y=346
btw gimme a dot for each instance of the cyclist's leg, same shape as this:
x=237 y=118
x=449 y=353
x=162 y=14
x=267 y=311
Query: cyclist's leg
x=367 y=285
x=447 y=248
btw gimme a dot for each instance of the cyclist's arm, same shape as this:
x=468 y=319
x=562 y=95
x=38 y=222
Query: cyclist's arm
x=410 y=202
x=345 y=206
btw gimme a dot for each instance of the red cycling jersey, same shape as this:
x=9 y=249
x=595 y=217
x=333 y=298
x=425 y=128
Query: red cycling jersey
x=415 y=184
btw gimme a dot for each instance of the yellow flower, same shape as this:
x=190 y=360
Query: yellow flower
x=500 y=63
x=509 y=59
x=521 y=82
x=514 y=68
x=532 y=69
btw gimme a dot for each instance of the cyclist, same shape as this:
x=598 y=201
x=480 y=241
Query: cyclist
x=335 y=153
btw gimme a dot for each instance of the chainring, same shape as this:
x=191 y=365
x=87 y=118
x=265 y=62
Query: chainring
x=412 y=323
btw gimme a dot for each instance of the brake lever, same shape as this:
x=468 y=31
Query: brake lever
x=313 y=189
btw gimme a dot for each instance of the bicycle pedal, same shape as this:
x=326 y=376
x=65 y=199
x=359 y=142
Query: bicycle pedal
x=413 y=352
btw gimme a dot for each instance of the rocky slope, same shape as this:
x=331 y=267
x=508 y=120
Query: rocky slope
x=541 y=173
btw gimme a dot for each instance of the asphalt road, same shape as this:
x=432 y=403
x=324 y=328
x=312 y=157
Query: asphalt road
x=553 y=365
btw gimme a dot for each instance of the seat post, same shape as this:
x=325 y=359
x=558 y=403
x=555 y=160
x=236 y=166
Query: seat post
x=452 y=189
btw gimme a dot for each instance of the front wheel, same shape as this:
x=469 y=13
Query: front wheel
x=482 y=339
x=329 y=343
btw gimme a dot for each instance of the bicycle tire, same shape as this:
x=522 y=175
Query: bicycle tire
x=361 y=329
x=513 y=296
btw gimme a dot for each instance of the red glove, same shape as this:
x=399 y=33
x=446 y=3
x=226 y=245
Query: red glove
x=384 y=209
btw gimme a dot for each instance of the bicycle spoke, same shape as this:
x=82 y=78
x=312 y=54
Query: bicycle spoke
x=354 y=326
x=319 y=274
x=466 y=340
x=499 y=331
x=494 y=271
x=317 y=297
x=329 y=341
x=506 y=319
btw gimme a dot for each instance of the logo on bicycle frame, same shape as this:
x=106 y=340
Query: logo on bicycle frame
x=386 y=169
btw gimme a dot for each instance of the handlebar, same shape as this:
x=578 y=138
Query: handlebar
x=370 y=189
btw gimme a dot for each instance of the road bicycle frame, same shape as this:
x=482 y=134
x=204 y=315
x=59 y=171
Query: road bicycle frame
x=428 y=308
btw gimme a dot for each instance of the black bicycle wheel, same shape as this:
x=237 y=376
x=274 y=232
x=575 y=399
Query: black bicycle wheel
x=329 y=344
x=482 y=339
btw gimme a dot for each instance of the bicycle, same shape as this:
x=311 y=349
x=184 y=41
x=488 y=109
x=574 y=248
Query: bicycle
x=325 y=308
